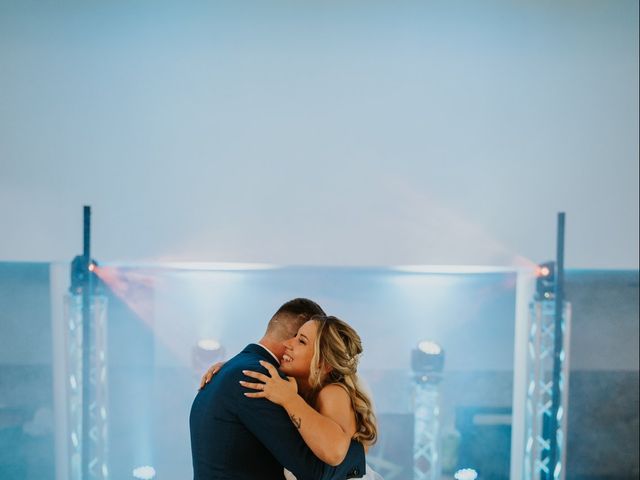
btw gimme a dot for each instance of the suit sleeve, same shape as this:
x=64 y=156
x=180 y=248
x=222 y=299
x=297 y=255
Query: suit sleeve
x=273 y=428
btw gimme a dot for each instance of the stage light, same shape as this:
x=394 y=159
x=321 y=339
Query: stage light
x=430 y=348
x=427 y=359
x=205 y=353
x=146 y=472
x=466 y=474
x=79 y=273
x=209 y=345
x=545 y=283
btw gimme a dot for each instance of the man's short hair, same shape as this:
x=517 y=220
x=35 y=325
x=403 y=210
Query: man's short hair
x=290 y=316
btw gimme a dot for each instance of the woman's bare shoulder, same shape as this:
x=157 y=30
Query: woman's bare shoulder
x=333 y=401
x=333 y=395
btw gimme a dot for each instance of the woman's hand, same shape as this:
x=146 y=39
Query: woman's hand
x=208 y=375
x=272 y=386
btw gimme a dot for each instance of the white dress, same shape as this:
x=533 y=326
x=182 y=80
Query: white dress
x=370 y=475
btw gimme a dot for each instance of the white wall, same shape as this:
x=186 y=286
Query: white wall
x=361 y=133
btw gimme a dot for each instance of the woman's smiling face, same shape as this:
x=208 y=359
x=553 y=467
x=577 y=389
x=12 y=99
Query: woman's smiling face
x=299 y=350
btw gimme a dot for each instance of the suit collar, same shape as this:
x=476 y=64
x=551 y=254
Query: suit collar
x=273 y=355
x=258 y=349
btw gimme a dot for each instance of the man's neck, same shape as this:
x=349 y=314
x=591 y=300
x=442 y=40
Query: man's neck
x=274 y=348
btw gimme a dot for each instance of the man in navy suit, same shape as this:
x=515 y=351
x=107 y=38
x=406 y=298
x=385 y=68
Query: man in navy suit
x=234 y=437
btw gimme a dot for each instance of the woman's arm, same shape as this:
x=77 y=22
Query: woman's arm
x=208 y=375
x=326 y=432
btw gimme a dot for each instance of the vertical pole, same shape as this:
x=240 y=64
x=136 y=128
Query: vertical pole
x=564 y=405
x=557 y=350
x=525 y=290
x=86 y=340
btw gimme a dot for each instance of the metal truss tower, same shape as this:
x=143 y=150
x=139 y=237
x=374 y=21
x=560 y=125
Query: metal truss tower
x=86 y=461
x=540 y=381
x=85 y=338
x=426 y=440
x=549 y=333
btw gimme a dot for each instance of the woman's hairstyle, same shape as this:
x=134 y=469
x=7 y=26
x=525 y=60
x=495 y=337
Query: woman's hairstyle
x=338 y=347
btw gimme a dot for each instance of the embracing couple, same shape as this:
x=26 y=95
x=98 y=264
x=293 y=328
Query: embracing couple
x=288 y=407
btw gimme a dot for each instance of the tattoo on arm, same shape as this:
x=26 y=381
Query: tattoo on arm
x=297 y=421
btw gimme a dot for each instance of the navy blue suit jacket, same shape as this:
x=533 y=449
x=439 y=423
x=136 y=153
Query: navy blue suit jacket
x=239 y=438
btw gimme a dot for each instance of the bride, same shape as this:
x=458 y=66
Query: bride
x=322 y=393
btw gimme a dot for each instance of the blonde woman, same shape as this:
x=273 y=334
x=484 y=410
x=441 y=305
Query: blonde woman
x=322 y=393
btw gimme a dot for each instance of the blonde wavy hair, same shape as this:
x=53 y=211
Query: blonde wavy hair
x=339 y=347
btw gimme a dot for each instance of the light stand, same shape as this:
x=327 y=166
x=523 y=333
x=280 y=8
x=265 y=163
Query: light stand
x=427 y=362
x=548 y=372
x=86 y=366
